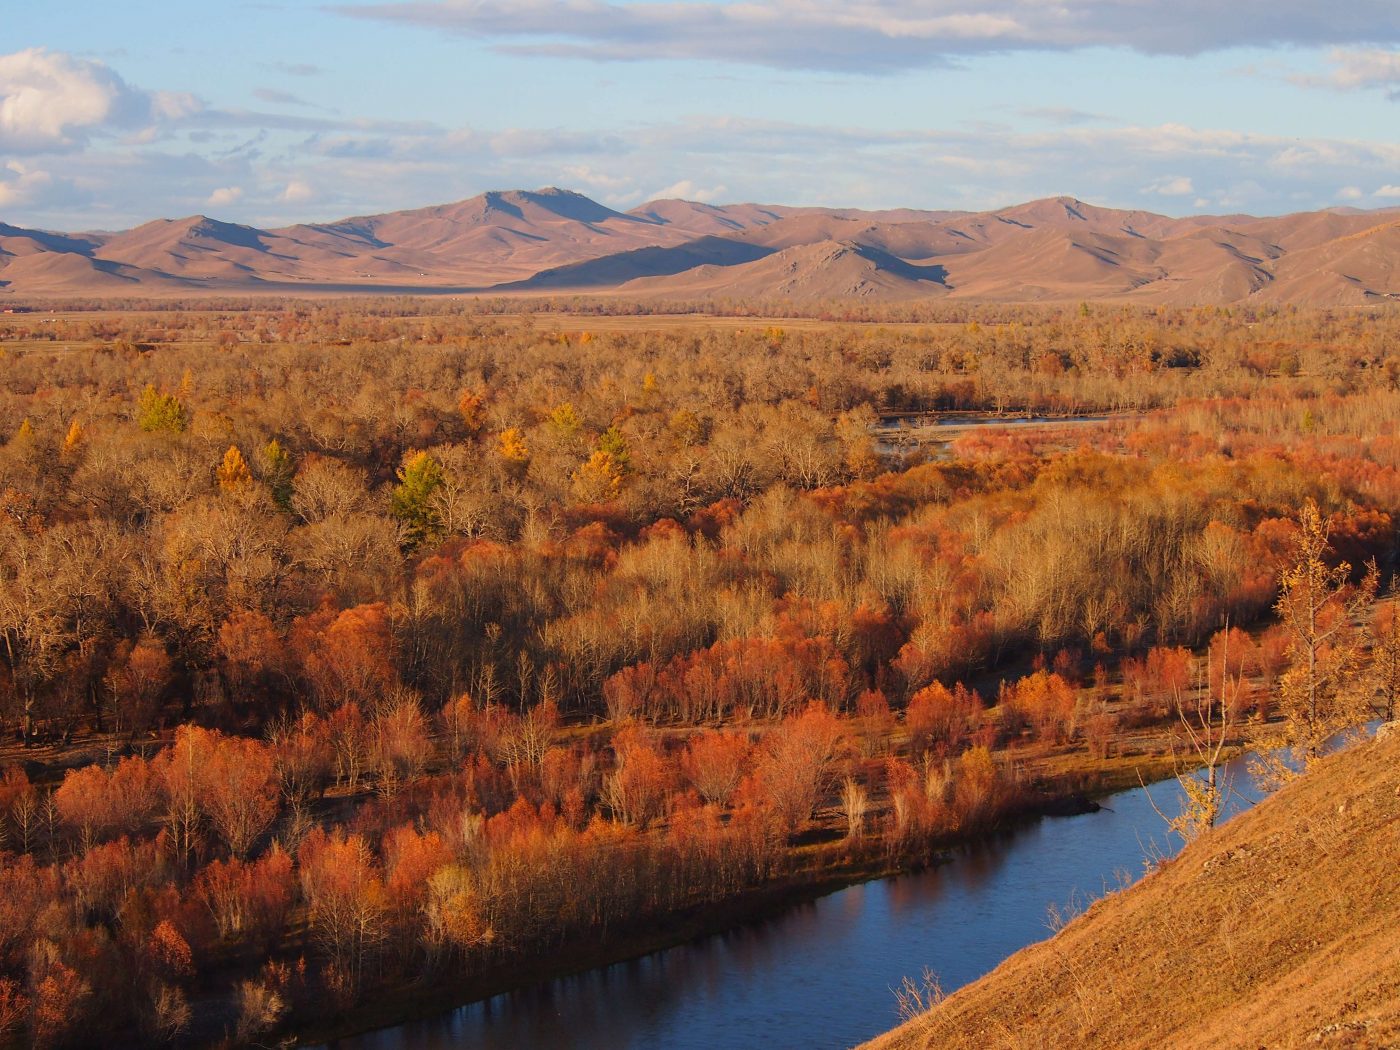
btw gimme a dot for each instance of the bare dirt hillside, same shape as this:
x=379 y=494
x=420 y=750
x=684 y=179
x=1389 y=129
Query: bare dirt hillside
x=819 y=272
x=1280 y=929
x=488 y=239
x=551 y=240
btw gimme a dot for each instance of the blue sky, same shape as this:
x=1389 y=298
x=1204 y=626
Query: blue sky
x=112 y=114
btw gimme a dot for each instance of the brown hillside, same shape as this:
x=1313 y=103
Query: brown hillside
x=704 y=220
x=1311 y=228
x=797 y=230
x=1055 y=263
x=78 y=274
x=1280 y=929
x=1210 y=265
x=494 y=237
x=16 y=241
x=699 y=218
x=612 y=270
x=201 y=248
x=1360 y=268
x=809 y=272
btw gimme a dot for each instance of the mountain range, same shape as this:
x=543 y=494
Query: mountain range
x=553 y=241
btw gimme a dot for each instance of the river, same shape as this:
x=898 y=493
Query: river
x=899 y=436
x=822 y=974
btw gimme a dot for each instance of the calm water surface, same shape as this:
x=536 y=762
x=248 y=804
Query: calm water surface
x=820 y=975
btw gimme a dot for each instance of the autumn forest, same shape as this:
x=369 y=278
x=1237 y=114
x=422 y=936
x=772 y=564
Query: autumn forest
x=362 y=656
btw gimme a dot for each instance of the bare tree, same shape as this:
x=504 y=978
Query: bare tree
x=1320 y=694
x=854 y=803
x=1206 y=725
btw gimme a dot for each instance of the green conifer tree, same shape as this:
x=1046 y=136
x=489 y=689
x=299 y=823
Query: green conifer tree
x=419 y=478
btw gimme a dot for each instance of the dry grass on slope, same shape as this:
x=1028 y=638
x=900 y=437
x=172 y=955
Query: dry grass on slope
x=1280 y=929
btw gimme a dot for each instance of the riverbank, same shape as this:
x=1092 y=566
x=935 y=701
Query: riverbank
x=824 y=868
x=820 y=974
x=419 y=1000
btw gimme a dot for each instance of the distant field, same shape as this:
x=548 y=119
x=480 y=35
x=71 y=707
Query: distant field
x=671 y=322
x=550 y=322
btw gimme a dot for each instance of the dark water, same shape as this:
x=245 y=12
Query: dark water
x=822 y=975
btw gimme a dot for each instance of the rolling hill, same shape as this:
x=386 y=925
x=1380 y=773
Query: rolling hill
x=550 y=241
x=1279 y=929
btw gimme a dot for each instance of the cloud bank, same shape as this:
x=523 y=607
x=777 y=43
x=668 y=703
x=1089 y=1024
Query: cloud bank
x=82 y=148
x=886 y=36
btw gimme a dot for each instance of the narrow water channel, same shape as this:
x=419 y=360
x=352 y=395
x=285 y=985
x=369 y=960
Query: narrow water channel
x=823 y=974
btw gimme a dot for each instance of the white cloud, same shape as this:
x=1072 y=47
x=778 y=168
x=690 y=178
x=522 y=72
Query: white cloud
x=1387 y=191
x=1350 y=193
x=687 y=190
x=51 y=100
x=225 y=195
x=882 y=36
x=22 y=184
x=1360 y=69
x=602 y=181
x=297 y=191
x=1171 y=186
x=44 y=96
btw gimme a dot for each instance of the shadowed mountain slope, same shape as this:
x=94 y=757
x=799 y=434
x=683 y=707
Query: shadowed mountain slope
x=807 y=272
x=613 y=270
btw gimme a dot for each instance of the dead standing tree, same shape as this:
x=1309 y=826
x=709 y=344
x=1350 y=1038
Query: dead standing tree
x=1320 y=695
x=1206 y=725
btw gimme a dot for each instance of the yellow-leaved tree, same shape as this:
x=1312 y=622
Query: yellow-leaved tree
x=233 y=475
x=514 y=452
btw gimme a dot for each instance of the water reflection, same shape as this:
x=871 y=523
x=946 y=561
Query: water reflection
x=821 y=975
